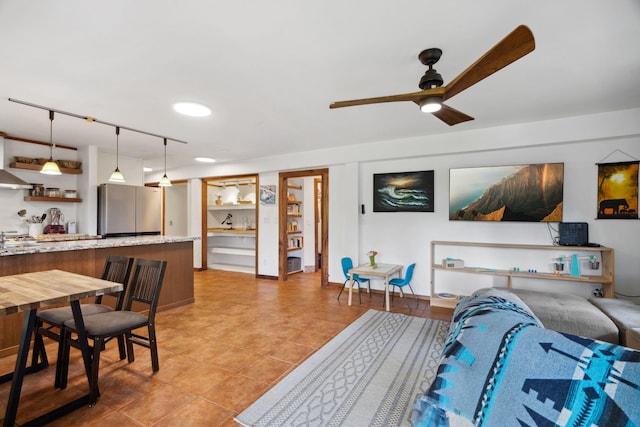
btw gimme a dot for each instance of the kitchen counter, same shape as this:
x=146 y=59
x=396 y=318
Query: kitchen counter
x=46 y=244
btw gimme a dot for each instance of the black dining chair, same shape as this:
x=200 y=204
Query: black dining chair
x=146 y=283
x=50 y=323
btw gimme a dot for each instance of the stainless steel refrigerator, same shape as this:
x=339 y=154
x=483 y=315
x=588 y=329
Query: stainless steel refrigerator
x=128 y=210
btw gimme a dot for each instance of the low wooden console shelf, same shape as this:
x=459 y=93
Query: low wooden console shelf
x=493 y=263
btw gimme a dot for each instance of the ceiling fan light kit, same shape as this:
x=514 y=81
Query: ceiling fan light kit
x=514 y=46
x=430 y=104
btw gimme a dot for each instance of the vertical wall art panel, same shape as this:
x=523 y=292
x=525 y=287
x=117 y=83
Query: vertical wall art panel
x=267 y=195
x=532 y=193
x=618 y=190
x=403 y=192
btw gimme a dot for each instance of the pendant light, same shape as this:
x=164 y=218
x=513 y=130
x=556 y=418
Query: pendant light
x=165 y=181
x=50 y=167
x=117 y=176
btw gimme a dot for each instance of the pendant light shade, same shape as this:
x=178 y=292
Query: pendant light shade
x=116 y=175
x=50 y=167
x=165 y=181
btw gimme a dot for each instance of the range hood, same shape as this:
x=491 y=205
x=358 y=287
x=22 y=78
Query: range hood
x=9 y=181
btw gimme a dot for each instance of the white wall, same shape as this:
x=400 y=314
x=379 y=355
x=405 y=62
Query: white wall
x=194 y=213
x=308 y=226
x=403 y=238
x=268 y=231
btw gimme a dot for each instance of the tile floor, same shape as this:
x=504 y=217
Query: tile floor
x=217 y=356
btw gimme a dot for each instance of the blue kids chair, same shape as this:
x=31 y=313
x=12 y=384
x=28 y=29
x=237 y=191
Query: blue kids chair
x=347 y=265
x=405 y=282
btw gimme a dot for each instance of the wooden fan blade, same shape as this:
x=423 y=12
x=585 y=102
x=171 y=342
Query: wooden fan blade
x=451 y=116
x=414 y=96
x=514 y=46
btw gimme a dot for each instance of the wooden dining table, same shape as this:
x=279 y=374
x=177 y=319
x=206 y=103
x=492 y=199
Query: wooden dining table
x=379 y=270
x=27 y=293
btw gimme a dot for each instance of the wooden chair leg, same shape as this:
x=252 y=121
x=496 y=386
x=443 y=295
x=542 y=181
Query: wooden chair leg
x=130 y=356
x=153 y=347
x=121 y=347
x=98 y=345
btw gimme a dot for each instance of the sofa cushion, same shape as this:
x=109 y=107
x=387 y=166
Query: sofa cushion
x=633 y=338
x=624 y=313
x=569 y=314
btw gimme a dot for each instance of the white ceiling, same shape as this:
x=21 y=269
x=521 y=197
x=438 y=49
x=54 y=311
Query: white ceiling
x=269 y=70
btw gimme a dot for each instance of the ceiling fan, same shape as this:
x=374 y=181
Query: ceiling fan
x=514 y=46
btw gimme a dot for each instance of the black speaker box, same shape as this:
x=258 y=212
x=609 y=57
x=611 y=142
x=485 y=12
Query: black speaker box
x=574 y=233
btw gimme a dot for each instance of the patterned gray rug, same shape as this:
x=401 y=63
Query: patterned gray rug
x=368 y=375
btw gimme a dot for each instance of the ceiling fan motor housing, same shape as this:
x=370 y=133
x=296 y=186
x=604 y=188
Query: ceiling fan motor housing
x=431 y=77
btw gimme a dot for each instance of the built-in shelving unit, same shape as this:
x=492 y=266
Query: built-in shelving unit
x=543 y=255
x=295 y=239
x=35 y=167
x=52 y=199
x=231 y=224
x=231 y=250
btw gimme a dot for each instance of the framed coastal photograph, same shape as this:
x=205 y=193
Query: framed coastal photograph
x=403 y=192
x=529 y=193
x=618 y=190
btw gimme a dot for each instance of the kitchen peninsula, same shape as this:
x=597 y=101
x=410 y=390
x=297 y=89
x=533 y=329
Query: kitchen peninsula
x=87 y=257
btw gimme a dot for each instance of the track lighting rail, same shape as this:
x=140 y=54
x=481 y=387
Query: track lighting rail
x=93 y=119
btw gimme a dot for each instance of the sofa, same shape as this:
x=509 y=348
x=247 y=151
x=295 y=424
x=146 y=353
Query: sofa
x=606 y=319
x=501 y=366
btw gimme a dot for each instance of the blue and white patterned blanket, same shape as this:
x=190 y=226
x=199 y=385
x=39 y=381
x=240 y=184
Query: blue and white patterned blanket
x=500 y=367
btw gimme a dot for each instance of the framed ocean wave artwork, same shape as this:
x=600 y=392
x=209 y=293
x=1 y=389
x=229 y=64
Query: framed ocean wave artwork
x=528 y=193
x=403 y=192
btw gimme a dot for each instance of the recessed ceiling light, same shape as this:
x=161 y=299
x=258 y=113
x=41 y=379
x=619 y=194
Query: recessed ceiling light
x=147 y=169
x=192 y=109
x=205 y=159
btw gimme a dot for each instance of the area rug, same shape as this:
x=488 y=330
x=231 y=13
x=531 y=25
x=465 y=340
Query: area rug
x=370 y=374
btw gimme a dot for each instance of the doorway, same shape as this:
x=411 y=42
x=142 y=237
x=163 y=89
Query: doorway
x=291 y=237
x=229 y=223
x=175 y=213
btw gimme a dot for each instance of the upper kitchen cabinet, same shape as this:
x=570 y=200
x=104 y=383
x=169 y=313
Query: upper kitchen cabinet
x=230 y=223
